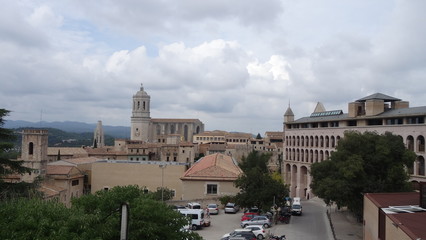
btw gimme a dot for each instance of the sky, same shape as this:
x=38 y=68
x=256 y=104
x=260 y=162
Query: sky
x=235 y=65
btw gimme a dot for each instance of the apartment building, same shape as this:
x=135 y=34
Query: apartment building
x=313 y=138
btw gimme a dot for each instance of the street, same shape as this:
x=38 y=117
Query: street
x=312 y=225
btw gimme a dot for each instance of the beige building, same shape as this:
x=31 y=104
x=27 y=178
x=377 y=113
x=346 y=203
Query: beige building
x=313 y=138
x=394 y=216
x=147 y=129
x=146 y=174
x=239 y=145
x=210 y=177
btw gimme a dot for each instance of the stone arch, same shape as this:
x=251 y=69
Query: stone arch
x=410 y=143
x=303 y=182
x=332 y=141
x=321 y=156
x=311 y=156
x=421 y=166
x=288 y=173
x=321 y=141
x=420 y=143
x=327 y=142
x=326 y=155
x=293 y=181
x=316 y=141
x=311 y=141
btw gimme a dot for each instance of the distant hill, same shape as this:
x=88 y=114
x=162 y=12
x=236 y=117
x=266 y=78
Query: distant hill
x=73 y=127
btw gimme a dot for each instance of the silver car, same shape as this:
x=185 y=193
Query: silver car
x=257 y=220
x=231 y=208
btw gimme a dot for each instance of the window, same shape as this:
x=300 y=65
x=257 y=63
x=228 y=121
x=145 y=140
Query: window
x=74 y=182
x=211 y=188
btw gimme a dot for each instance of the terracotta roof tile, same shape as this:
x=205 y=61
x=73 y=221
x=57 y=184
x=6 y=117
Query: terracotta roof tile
x=59 y=169
x=382 y=200
x=216 y=166
x=413 y=224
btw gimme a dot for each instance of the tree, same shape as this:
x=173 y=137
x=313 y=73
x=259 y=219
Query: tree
x=10 y=165
x=94 y=216
x=257 y=186
x=362 y=163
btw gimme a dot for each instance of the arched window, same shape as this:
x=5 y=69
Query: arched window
x=420 y=143
x=421 y=170
x=410 y=143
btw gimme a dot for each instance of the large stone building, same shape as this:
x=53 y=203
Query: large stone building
x=313 y=138
x=147 y=129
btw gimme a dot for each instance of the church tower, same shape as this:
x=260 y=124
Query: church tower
x=98 y=138
x=140 y=120
x=34 y=152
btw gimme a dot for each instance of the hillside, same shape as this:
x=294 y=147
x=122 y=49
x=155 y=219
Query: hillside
x=71 y=127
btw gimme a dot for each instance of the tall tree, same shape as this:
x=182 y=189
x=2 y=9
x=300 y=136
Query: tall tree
x=9 y=164
x=258 y=187
x=362 y=163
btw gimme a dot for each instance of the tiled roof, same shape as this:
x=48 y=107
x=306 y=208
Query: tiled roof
x=66 y=151
x=413 y=224
x=82 y=160
x=383 y=200
x=378 y=96
x=213 y=167
x=58 y=169
x=50 y=190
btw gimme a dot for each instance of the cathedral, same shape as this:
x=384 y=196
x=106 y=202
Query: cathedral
x=157 y=130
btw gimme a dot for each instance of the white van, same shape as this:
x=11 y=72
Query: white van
x=196 y=216
x=296 y=207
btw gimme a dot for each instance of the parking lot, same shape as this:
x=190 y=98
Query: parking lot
x=224 y=223
x=312 y=225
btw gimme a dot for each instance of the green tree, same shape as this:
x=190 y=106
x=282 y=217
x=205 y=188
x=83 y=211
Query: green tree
x=10 y=165
x=94 y=216
x=362 y=163
x=257 y=186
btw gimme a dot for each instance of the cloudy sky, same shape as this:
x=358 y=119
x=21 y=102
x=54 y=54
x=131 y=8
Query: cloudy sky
x=235 y=65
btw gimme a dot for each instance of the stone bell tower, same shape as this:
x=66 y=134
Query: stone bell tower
x=34 y=152
x=140 y=120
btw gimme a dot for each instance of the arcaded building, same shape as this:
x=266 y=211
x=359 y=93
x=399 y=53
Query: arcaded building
x=313 y=138
x=147 y=129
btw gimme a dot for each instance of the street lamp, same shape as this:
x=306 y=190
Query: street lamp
x=162 y=166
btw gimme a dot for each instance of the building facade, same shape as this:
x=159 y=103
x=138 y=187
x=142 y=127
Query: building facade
x=313 y=138
x=147 y=129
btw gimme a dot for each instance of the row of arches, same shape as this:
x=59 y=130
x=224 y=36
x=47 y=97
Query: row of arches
x=306 y=155
x=417 y=145
x=299 y=178
x=312 y=141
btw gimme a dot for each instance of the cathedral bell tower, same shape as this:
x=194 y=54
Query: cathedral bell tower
x=140 y=120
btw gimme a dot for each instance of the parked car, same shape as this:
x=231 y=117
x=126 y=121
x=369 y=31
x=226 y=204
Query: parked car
x=245 y=234
x=258 y=220
x=231 y=208
x=252 y=210
x=213 y=208
x=258 y=230
x=248 y=216
x=194 y=205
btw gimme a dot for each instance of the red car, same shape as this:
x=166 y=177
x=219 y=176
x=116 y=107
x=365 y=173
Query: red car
x=249 y=215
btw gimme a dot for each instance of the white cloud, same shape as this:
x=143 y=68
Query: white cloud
x=235 y=65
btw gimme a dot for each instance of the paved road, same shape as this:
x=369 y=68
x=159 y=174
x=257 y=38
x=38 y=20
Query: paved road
x=312 y=225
